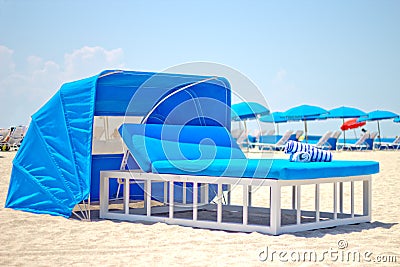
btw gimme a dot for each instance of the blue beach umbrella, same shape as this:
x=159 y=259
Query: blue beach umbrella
x=305 y=113
x=275 y=117
x=378 y=115
x=344 y=112
x=248 y=110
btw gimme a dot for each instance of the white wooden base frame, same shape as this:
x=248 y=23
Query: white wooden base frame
x=320 y=219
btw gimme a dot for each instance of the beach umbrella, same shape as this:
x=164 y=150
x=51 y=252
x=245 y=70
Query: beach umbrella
x=344 y=112
x=247 y=111
x=305 y=113
x=275 y=117
x=378 y=115
x=351 y=124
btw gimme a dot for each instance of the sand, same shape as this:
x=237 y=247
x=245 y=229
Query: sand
x=28 y=239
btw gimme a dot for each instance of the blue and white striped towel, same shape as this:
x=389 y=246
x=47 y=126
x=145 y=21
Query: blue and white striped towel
x=293 y=147
x=300 y=157
x=315 y=153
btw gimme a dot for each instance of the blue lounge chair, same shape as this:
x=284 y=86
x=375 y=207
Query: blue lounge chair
x=331 y=142
x=199 y=157
x=278 y=145
x=395 y=145
x=365 y=142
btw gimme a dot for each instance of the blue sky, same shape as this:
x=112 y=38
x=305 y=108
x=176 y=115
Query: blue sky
x=297 y=52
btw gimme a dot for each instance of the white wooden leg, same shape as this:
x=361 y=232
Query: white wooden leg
x=367 y=197
x=195 y=198
x=148 y=198
x=104 y=194
x=126 y=195
x=184 y=192
x=335 y=200
x=202 y=193
x=275 y=212
x=317 y=193
x=165 y=192
x=219 y=203
x=206 y=193
x=298 y=204
x=245 y=204
x=171 y=200
x=250 y=195
x=293 y=197
x=352 y=198
x=341 y=197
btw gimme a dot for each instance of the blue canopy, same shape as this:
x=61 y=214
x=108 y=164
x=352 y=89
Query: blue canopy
x=396 y=119
x=275 y=117
x=304 y=112
x=345 y=112
x=248 y=110
x=377 y=115
x=52 y=170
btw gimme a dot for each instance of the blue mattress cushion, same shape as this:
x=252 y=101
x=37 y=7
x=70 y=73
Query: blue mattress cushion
x=280 y=169
x=147 y=150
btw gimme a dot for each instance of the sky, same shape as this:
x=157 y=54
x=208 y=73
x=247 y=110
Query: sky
x=325 y=53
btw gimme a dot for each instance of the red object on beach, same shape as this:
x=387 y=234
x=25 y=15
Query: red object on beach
x=351 y=124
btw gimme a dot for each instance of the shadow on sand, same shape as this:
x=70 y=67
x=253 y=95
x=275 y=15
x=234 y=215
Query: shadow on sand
x=317 y=233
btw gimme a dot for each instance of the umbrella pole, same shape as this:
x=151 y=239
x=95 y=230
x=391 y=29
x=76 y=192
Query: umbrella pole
x=379 y=131
x=305 y=130
x=277 y=128
x=344 y=134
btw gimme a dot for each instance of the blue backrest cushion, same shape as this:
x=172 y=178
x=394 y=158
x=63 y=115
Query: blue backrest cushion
x=217 y=135
x=147 y=150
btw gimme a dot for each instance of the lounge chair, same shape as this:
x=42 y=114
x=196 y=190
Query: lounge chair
x=365 y=142
x=322 y=142
x=12 y=141
x=188 y=159
x=331 y=143
x=4 y=142
x=279 y=145
x=395 y=145
x=370 y=141
x=3 y=133
x=239 y=135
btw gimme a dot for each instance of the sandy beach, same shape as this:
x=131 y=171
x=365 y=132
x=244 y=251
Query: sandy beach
x=41 y=240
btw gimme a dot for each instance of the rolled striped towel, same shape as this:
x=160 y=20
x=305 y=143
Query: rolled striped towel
x=316 y=154
x=320 y=155
x=293 y=147
x=300 y=157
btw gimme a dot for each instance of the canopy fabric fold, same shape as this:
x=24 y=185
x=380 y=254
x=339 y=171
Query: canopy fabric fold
x=55 y=153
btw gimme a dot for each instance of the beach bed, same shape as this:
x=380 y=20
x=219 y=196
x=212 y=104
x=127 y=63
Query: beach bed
x=195 y=178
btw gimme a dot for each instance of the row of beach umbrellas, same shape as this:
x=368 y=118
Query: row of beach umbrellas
x=251 y=110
